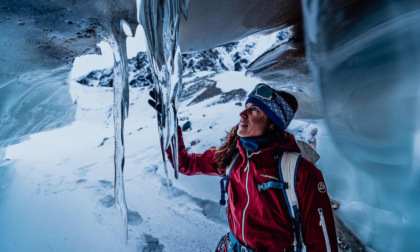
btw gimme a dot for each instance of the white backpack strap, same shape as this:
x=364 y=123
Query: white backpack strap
x=289 y=164
x=288 y=167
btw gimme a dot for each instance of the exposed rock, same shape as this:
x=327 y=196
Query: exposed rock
x=236 y=94
x=211 y=91
x=139 y=67
x=308 y=152
x=186 y=126
x=334 y=204
x=222 y=58
x=347 y=240
x=98 y=78
x=195 y=142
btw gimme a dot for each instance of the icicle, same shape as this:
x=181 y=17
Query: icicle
x=160 y=20
x=120 y=110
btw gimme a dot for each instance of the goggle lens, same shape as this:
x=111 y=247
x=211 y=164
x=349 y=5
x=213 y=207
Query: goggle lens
x=263 y=91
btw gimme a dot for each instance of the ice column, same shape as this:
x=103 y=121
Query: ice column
x=160 y=20
x=120 y=110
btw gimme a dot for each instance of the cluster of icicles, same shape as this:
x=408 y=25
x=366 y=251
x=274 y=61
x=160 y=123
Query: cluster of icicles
x=160 y=21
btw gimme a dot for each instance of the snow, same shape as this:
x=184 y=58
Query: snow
x=60 y=177
x=61 y=194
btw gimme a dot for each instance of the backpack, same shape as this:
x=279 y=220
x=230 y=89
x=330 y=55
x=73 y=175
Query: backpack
x=288 y=166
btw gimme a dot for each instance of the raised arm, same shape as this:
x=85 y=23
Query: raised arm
x=194 y=164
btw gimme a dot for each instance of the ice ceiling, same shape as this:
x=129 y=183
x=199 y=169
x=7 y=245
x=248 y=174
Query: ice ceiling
x=365 y=68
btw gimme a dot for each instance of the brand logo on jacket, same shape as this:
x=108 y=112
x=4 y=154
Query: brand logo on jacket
x=268 y=176
x=321 y=187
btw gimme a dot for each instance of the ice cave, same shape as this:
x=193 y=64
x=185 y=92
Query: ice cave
x=82 y=160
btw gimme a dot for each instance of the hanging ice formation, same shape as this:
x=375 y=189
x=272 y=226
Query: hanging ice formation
x=160 y=20
x=120 y=111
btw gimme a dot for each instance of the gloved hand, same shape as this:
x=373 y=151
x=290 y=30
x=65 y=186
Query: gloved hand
x=152 y=101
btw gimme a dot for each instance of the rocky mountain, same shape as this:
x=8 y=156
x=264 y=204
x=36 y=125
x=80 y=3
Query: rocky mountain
x=235 y=56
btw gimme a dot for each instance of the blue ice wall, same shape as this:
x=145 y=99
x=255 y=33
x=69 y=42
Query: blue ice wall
x=365 y=57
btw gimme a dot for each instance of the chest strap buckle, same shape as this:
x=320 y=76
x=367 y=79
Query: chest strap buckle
x=273 y=185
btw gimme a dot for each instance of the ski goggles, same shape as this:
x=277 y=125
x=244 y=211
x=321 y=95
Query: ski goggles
x=272 y=104
x=266 y=92
x=263 y=91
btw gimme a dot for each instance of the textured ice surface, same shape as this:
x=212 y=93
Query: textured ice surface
x=160 y=21
x=366 y=62
x=120 y=113
x=38 y=42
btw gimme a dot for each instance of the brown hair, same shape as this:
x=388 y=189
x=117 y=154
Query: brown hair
x=226 y=153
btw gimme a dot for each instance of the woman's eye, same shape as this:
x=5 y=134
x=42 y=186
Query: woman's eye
x=255 y=109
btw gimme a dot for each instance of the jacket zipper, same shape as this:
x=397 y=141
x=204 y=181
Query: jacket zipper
x=324 y=229
x=247 y=194
x=247 y=203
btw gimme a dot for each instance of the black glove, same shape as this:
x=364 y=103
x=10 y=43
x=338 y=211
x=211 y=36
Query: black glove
x=152 y=101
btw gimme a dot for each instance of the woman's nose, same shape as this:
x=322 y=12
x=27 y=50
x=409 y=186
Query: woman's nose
x=243 y=113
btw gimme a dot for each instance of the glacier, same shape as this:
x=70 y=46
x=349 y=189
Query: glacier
x=365 y=62
x=364 y=72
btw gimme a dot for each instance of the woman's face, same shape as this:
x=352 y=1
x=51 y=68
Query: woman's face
x=253 y=122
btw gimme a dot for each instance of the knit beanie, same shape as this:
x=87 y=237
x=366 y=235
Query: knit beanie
x=280 y=106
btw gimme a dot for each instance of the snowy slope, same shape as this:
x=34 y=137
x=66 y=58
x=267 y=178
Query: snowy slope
x=61 y=197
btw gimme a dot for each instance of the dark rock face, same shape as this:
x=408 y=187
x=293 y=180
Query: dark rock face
x=140 y=66
x=186 y=126
x=212 y=60
x=100 y=78
x=219 y=59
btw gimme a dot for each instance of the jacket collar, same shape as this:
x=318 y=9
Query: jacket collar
x=290 y=146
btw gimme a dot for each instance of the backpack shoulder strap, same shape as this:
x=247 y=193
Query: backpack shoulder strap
x=230 y=166
x=288 y=167
x=225 y=180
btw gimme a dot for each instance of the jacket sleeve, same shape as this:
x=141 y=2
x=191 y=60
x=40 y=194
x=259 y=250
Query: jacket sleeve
x=317 y=219
x=194 y=164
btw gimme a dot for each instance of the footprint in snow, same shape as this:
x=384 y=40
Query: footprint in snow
x=149 y=244
x=210 y=209
x=106 y=184
x=134 y=218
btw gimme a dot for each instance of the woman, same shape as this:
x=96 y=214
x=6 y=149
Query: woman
x=259 y=220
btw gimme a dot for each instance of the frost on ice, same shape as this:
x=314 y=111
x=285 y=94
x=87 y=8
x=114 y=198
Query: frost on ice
x=120 y=111
x=160 y=21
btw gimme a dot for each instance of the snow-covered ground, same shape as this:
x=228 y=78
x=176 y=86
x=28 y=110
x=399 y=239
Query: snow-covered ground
x=61 y=194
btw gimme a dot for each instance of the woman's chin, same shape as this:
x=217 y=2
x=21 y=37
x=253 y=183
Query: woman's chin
x=241 y=133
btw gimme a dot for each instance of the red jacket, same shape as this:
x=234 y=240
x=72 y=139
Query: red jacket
x=265 y=225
